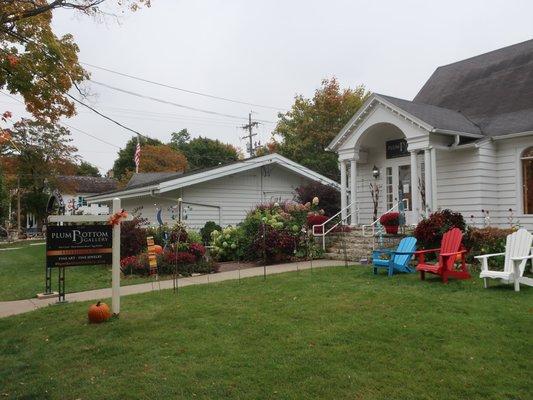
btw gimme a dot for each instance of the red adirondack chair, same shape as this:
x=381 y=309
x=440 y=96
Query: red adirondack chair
x=450 y=249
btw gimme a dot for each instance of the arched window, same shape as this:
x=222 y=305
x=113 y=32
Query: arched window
x=527 y=179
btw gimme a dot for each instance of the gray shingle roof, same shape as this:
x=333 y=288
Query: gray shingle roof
x=495 y=89
x=143 y=178
x=154 y=178
x=84 y=184
x=438 y=117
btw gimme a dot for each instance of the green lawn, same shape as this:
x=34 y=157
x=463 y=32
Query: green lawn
x=22 y=274
x=336 y=333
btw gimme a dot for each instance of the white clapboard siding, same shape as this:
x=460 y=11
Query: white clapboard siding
x=487 y=177
x=510 y=192
x=464 y=182
x=226 y=200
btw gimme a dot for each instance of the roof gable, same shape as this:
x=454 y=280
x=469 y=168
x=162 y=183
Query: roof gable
x=427 y=117
x=195 y=177
x=493 y=89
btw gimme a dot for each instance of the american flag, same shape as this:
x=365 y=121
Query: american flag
x=137 y=156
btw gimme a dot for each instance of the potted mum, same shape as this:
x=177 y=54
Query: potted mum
x=390 y=221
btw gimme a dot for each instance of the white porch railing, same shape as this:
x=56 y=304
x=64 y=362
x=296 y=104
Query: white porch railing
x=323 y=232
x=373 y=224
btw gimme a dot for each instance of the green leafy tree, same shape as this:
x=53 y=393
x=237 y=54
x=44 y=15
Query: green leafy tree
x=87 y=169
x=311 y=124
x=125 y=161
x=203 y=152
x=41 y=151
x=36 y=63
x=179 y=139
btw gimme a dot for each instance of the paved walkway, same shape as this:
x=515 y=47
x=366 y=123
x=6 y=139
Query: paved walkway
x=8 y=308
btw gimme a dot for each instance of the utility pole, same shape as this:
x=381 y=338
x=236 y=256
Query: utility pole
x=249 y=126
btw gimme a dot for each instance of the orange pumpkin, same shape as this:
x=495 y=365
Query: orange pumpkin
x=99 y=312
x=158 y=249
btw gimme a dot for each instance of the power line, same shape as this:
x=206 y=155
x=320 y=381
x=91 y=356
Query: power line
x=158 y=116
x=181 y=89
x=70 y=126
x=172 y=103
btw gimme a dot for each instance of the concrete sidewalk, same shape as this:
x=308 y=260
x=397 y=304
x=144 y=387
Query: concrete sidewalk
x=8 y=308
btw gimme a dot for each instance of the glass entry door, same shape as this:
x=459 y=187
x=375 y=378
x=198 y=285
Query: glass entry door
x=404 y=191
x=404 y=186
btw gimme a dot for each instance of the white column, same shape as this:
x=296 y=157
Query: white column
x=434 y=204
x=115 y=269
x=353 y=192
x=415 y=196
x=342 y=166
x=427 y=179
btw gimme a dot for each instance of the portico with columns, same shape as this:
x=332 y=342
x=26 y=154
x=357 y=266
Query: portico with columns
x=386 y=147
x=463 y=143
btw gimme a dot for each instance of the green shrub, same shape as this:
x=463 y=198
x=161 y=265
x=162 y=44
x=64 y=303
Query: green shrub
x=194 y=237
x=285 y=226
x=206 y=231
x=226 y=244
x=158 y=233
x=488 y=240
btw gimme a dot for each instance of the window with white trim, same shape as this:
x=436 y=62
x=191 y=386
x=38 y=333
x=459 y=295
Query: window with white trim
x=527 y=180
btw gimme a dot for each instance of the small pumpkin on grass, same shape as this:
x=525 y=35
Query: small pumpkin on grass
x=99 y=312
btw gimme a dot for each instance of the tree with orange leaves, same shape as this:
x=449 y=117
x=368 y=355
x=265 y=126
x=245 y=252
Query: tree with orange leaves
x=36 y=63
x=157 y=158
x=311 y=124
x=161 y=159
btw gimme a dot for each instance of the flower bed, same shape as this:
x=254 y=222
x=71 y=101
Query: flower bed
x=271 y=232
x=487 y=240
x=186 y=259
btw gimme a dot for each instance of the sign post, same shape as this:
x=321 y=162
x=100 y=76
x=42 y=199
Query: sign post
x=115 y=271
x=82 y=244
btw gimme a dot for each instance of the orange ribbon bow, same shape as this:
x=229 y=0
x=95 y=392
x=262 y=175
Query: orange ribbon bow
x=117 y=217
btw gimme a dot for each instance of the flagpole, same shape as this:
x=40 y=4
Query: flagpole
x=137 y=156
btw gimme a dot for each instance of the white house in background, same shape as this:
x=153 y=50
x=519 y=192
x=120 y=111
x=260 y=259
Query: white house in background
x=69 y=194
x=466 y=138
x=222 y=194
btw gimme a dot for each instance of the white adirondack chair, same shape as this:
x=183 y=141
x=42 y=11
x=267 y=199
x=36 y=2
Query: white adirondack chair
x=517 y=252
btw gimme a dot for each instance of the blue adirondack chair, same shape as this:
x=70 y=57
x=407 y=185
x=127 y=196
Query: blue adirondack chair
x=398 y=260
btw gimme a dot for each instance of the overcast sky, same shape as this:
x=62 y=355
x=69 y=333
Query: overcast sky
x=265 y=52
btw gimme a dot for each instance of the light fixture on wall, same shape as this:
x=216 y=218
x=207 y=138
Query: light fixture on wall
x=375 y=172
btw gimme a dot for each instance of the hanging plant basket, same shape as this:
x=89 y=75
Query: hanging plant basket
x=390 y=221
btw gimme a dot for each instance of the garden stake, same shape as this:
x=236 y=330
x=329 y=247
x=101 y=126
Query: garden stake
x=239 y=266
x=309 y=256
x=296 y=258
x=264 y=253
x=176 y=274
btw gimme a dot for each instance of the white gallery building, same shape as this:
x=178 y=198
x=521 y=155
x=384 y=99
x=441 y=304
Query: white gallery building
x=465 y=142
